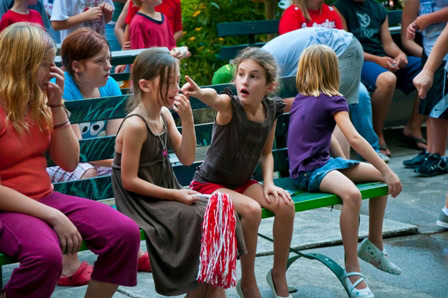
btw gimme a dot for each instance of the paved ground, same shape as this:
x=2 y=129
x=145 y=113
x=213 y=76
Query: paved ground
x=413 y=241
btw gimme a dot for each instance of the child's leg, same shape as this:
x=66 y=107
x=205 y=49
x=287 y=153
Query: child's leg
x=111 y=235
x=98 y=289
x=36 y=246
x=282 y=231
x=365 y=172
x=200 y=291
x=381 y=99
x=339 y=184
x=213 y=292
x=250 y=213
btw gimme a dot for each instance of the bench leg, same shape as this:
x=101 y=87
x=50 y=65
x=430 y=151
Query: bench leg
x=332 y=265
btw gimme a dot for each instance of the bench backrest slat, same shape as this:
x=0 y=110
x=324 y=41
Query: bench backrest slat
x=248 y=28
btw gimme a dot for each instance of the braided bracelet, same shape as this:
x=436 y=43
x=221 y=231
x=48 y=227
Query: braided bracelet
x=62 y=125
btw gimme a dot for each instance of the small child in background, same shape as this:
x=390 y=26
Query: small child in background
x=243 y=135
x=315 y=112
x=68 y=15
x=170 y=8
x=19 y=12
x=308 y=13
x=150 y=28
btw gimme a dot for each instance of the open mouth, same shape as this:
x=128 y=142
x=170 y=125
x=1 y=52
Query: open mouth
x=244 y=91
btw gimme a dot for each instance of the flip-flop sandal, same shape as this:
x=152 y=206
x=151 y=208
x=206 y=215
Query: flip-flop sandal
x=385 y=150
x=80 y=278
x=413 y=142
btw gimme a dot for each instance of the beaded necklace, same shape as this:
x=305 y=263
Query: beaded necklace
x=165 y=151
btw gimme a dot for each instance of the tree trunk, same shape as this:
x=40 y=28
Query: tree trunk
x=269 y=8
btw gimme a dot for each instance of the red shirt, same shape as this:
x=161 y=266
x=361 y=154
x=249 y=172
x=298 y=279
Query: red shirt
x=22 y=159
x=145 y=32
x=11 y=17
x=170 y=8
x=293 y=19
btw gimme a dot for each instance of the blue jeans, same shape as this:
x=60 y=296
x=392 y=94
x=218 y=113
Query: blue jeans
x=361 y=114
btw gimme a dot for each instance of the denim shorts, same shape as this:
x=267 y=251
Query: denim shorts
x=310 y=180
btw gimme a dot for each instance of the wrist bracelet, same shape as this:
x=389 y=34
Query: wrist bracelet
x=62 y=125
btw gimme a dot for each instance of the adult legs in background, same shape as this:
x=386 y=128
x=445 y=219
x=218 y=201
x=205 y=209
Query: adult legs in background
x=361 y=115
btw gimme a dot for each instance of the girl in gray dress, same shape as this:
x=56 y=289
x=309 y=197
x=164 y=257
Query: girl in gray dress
x=144 y=183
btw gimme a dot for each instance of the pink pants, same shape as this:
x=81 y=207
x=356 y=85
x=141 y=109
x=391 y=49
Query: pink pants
x=111 y=235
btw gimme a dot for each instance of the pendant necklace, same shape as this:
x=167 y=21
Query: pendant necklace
x=165 y=150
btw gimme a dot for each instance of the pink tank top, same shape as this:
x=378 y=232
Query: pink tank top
x=22 y=159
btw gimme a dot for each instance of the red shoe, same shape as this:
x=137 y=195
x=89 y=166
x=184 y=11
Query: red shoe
x=80 y=278
x=143 y=263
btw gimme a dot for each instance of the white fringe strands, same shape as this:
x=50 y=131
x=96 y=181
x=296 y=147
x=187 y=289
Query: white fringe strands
x=217 y=265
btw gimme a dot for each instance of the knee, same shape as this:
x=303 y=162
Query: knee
x=285 y=210
x=352 y=198
x=387 y=80
x=251 y=212
x=127 y=232
x=90 y=173
x=47 y=256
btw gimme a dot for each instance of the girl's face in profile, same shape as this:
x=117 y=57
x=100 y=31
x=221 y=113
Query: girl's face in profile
x=95 y=71
x=250 y=82
x=43 y=74
x=171 y=86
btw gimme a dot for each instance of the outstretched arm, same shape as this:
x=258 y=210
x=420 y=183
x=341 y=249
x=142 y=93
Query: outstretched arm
x=365 y=150
x=218 y=102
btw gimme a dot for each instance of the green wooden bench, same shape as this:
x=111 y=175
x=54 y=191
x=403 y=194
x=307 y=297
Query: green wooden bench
x=252 y=29
x=100 y=189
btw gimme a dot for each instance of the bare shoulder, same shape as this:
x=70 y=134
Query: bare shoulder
x=134 y=125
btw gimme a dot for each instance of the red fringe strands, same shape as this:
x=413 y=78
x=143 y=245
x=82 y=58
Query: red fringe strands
x=217 y=265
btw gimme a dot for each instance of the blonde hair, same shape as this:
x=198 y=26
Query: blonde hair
x=150 y=64
x=23 y=47
x=318 y=72
x=262 y=58
x=302 y=5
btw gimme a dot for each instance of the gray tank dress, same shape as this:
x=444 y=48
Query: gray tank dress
x=173 y=229
x=236 y=147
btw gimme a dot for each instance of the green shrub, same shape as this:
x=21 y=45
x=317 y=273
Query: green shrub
x=200 y=19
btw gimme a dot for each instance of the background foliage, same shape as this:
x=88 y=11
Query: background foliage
x=200 y=19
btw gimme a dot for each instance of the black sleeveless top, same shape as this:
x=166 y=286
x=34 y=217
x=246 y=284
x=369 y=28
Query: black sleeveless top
x=236 y=147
